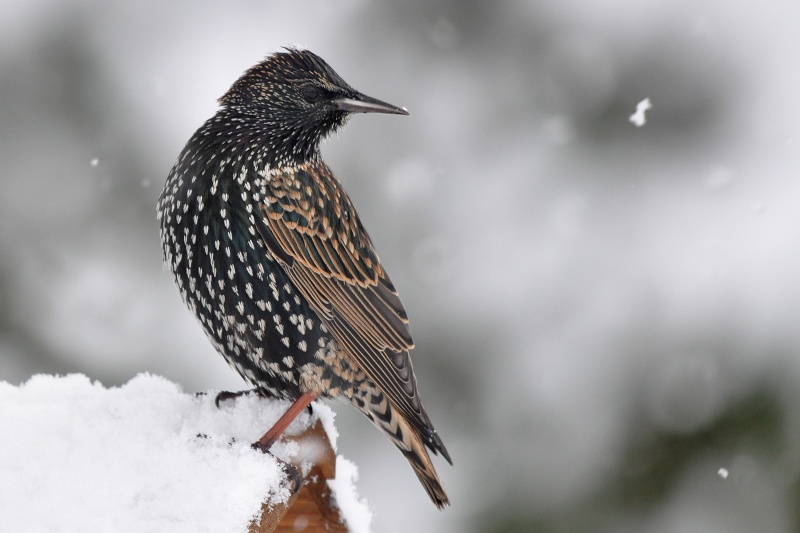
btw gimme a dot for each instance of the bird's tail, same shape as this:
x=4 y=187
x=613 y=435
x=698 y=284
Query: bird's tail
x=411 y=442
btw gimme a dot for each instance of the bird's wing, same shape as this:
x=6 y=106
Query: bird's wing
x=312 y=229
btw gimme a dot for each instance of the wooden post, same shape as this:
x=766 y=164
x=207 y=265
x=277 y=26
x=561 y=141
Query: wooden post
x=310 y=509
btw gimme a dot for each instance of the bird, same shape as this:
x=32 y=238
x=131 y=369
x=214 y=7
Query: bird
x=269 y=253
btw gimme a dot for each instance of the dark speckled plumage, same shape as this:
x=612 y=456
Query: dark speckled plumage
x=268 y=252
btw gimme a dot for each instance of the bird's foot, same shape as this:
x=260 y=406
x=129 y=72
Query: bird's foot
x=263 y=445
x=293 y=474
x=227 y=395
x=291 y=471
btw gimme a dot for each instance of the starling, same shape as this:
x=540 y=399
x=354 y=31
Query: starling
x=268 y=251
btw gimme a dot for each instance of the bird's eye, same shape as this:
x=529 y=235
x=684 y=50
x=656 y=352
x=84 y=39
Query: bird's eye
x=311 y=93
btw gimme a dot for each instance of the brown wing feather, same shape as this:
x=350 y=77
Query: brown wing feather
x=310 y=225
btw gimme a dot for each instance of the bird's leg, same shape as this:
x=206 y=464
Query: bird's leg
x=227 y=395
x=269 y=438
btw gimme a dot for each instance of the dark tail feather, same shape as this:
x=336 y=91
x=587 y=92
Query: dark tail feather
x=411 y=446
x=411 y=443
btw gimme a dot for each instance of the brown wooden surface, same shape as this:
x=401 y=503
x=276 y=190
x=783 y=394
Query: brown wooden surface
x=310 y=509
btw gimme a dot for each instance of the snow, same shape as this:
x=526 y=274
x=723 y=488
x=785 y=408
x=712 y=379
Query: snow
x=355 y=510
x=145 y=456
x=638 y=118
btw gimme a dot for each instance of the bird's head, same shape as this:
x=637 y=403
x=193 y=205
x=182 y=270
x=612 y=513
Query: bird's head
x=295 y=99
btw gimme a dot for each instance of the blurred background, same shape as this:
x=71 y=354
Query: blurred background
x=606 y=315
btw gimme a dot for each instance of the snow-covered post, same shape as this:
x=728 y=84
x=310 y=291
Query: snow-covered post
x=310 y=507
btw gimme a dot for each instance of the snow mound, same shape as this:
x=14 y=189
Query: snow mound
x=76 y=456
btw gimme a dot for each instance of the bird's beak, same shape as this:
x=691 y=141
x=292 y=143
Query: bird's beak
x=361 y=103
